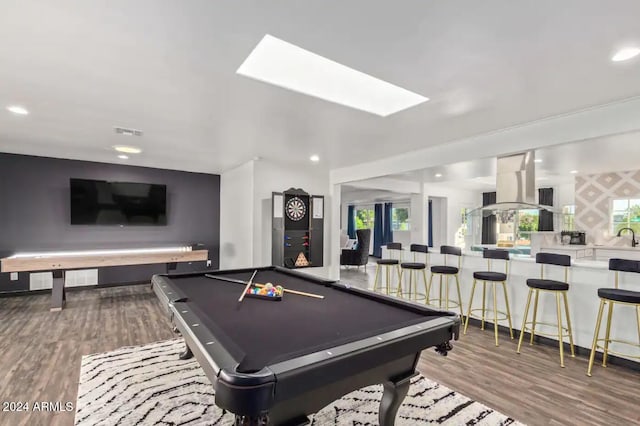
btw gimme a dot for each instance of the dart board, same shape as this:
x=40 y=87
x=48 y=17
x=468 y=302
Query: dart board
x=295 y=209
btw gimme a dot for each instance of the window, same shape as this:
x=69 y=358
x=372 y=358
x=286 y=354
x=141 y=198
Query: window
x=364 y=218
x=568 y=218
x=400 y=219
x=625 y=213
x=527 y=223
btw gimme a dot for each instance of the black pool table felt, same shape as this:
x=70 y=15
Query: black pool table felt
x=258 y=333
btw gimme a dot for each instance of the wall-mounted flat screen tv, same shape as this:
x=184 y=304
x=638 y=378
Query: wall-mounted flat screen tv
x=98 y=202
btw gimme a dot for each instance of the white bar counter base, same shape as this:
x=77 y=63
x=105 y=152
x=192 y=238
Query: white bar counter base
x=586 y=276
x=575 y=251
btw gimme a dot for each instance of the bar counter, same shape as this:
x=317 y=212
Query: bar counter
x=585 y=278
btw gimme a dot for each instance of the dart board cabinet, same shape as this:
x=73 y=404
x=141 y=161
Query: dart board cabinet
x=298 y=227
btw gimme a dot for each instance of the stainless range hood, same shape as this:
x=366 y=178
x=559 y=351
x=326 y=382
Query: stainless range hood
x=515 y=186
x=516 y=179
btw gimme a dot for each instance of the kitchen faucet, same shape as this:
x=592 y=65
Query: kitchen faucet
x=633 y=236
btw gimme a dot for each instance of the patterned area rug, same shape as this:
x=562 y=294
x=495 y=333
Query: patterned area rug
x=149 y=385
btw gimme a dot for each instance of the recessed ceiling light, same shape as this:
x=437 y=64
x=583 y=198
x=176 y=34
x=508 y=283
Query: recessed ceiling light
x=286 y=65
x=538 y=160
x=314 y=158
x=127 y=149
x=625 y=54
x=438 y=175
x=18 y=110
x=573 y=172
x=123 y=157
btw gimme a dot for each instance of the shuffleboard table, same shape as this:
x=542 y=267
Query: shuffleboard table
x=58 y=263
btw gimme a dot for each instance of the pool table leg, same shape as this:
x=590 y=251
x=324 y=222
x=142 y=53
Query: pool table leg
x=444 y=348
x=394 y=393
x=187 y=354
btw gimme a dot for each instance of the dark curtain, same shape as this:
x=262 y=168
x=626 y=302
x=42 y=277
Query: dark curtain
x=387 y=231
x=377 y=230
x=545 y=218
x=430 y=224
x=489 y=226
x=351 y=222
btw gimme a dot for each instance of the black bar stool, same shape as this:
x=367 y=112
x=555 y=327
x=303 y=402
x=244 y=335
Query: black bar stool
x=413 y=268
x=448 y=271
x=558 y=288
x=495 y=278
x=395 y=257
x=611 y=296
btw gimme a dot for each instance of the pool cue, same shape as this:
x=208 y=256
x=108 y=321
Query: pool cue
x=248 y=286
x=231 y=280
x=299 y=293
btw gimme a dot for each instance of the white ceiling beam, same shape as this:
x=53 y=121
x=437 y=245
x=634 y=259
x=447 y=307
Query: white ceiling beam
x=604 y=120
x=388 y=184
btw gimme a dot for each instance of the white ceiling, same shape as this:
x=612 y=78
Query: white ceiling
x=168 y=69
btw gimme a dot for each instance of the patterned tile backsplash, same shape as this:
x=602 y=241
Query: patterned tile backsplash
x=593 y=201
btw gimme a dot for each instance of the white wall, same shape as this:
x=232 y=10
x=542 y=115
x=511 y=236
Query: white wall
x=245 y=210
x=236 y=216
x=418 y=218
x=439 y=220
x=344 y=213
x=403 y=237
x=564 y=195
x=457 y=199
x=270 y=176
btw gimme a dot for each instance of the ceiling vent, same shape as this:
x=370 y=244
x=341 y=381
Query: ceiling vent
x=127 y=132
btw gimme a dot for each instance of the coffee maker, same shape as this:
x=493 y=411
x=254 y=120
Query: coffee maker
x=575 y=237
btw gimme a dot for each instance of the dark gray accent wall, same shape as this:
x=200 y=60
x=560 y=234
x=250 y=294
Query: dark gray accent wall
x=35 y=216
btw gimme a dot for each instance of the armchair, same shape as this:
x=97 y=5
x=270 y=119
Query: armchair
x=359 y=256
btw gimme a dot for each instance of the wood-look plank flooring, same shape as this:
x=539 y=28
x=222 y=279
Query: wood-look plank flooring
x=40 y=351
x=40 y=354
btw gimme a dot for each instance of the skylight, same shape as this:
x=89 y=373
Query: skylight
x=286 y=65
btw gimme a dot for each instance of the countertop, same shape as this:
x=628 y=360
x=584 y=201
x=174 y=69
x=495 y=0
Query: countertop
x=566 y=247
x=623 y=248
x=590 y=246
x=583 y=263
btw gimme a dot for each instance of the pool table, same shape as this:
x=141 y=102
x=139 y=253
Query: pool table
x=276 y=362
